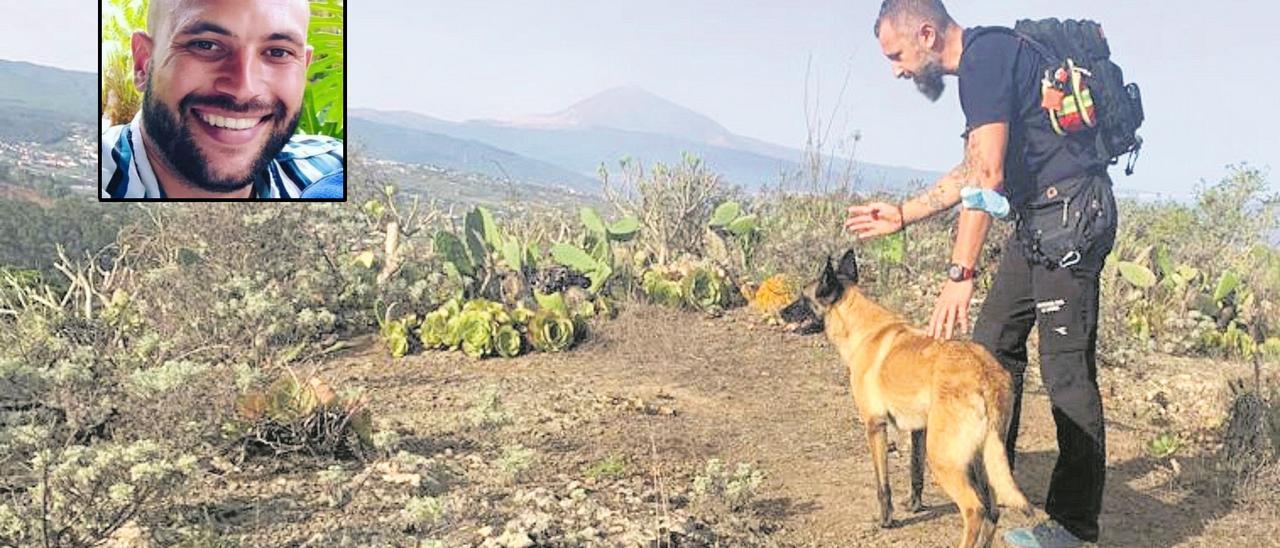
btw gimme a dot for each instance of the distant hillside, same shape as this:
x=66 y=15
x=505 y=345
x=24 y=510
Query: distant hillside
x=415 y=146
x=578 y=151
x=448 y=188
x=628 y=122
x=39 y=103
x=584 y=150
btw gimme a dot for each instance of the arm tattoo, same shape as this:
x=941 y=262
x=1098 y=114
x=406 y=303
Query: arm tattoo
x=972 y=166
x=964 y=174
x=936 y=197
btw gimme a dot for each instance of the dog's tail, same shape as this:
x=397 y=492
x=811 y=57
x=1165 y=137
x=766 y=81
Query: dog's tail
x=997 y=464
x=999 y=414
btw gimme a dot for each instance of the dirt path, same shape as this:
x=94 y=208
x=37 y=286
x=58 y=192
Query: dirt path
x=668 y=390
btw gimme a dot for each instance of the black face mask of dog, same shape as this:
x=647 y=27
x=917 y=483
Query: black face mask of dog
x=808 y=311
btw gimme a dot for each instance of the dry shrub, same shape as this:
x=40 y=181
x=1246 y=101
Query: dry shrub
x=94 y=432
x=83 y=494
x=297 y=415
x=673 y=203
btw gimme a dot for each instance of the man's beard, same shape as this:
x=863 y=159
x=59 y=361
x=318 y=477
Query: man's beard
x=929 y=79
x=171 y=135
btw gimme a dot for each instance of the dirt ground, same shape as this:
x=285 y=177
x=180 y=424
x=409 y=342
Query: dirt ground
x=662 y=392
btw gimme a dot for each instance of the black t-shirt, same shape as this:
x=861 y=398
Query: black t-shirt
x=1000 y=82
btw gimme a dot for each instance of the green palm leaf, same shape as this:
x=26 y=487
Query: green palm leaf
x=324 y=104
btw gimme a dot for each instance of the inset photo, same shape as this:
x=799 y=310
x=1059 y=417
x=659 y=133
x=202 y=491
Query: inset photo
x=222 y=100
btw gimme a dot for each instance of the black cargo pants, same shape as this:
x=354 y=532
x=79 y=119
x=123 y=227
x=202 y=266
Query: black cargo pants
x=1063 y=301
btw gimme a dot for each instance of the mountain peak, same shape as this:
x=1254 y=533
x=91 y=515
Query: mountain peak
x=630 y=108
x=632 y=94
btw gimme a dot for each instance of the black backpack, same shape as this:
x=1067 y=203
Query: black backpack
x=1118 y=105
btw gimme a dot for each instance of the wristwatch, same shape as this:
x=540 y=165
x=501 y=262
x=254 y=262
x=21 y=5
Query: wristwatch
x=958 y=273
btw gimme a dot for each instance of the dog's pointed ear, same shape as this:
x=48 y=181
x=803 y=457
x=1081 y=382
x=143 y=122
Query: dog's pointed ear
x=829 y=287
x=826 y=265
x=848 y=271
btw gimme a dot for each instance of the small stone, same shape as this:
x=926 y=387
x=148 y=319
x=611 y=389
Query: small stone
x=677 y=528
x=486 y=531
x=515 y=539
x=129 y=535
x=221 y=464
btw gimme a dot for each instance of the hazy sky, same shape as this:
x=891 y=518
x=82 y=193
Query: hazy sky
x=1206 y=67
x=58 y=33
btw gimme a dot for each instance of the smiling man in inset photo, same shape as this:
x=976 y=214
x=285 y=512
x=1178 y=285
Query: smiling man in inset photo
x=222 y=84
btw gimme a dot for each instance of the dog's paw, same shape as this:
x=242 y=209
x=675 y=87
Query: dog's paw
x=889 y=523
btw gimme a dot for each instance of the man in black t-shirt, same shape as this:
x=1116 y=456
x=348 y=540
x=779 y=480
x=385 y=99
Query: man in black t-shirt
x=1011 y=149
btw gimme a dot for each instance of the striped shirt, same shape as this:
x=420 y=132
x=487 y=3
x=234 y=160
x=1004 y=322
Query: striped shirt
x=127 y=174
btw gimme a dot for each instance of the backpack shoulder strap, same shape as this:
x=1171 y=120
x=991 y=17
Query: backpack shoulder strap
x=1041 y=49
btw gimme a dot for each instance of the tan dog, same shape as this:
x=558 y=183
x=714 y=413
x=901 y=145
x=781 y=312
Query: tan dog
x=952 y=395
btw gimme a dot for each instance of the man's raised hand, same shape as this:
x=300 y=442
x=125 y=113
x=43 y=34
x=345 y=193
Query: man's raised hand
x=873 y=220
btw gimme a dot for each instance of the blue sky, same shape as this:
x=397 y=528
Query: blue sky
x=1205 y=68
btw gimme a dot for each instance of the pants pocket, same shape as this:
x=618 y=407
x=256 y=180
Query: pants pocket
x=1063 y=310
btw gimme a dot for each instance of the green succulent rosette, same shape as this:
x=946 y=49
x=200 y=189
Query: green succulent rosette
x=453 y=333
x=704 y=290
x=551 y=331
x=477 y=333
x=521 y=316
x=435 y=330
x=396 y=334
x=478 y=305
x=508 y=341
x=451 y=308
x=661 y=290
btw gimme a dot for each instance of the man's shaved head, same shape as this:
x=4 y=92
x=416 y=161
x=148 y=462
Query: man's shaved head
x=156 y=12
x=222 y=85
x=902 y=13
x=161 y=12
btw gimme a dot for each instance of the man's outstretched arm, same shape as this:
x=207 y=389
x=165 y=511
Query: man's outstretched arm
x=983 y=166
x=984 y=146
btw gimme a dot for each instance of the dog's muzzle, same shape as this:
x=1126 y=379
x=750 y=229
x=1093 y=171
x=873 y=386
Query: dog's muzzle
x=797 y=311
x=800 y=318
